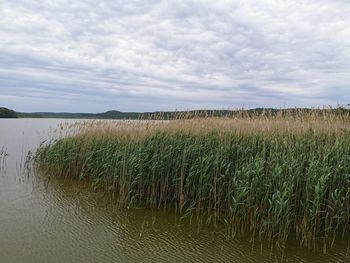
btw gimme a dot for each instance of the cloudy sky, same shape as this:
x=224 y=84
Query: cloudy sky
x=92 y=56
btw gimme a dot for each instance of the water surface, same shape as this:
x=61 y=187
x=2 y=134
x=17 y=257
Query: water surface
x=58 y=220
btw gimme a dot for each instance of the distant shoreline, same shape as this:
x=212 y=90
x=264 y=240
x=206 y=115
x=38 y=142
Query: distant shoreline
x=113 y=114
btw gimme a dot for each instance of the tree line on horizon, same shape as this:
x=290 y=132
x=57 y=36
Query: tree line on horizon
x=168 y=115
x=7 y=113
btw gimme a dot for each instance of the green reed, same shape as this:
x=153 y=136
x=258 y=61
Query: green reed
x=269 y=185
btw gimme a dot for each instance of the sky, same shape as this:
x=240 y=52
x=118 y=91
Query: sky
x=94 y=56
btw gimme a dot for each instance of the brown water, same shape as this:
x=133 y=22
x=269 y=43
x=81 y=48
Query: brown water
x=54 y=220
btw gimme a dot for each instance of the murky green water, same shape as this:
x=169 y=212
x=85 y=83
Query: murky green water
x=63 y=221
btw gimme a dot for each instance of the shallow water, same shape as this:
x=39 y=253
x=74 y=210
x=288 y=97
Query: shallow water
x=57 y=220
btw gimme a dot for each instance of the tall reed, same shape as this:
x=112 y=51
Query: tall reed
x=269 y=176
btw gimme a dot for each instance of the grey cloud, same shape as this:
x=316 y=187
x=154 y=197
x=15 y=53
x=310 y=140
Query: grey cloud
x=150 y=55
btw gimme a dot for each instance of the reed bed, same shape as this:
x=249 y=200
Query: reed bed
x=272 y=177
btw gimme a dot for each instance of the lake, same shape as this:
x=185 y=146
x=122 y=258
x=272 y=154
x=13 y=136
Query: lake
x=56 y=220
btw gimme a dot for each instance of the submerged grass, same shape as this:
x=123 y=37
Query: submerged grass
x=269 y=176
x=3 y=155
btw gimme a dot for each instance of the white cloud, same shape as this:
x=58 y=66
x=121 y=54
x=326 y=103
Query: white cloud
x=152 y=55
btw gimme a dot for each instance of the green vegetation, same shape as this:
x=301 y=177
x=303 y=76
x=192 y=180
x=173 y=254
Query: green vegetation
x=268 y=176
x=132 y=115
x=170 y=115
x=7 y=113
x=67 y=115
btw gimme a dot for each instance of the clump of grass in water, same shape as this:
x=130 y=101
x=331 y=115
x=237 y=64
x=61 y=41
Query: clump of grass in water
x=270 y=176
x=3 y=156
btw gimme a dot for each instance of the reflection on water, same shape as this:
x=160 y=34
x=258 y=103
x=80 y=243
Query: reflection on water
x=52 y=220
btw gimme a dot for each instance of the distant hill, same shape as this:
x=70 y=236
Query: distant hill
x=67 y=115
x=167 y=115
x=113 y=114
x=7 y=113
